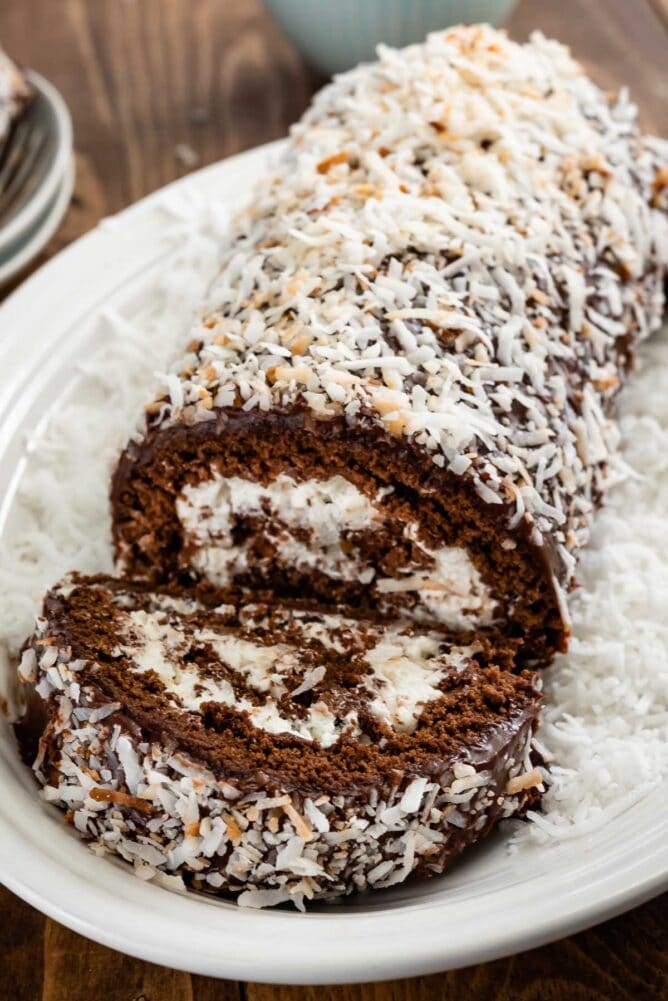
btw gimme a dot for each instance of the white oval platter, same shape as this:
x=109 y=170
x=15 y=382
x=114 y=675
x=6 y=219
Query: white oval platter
x=493 y=903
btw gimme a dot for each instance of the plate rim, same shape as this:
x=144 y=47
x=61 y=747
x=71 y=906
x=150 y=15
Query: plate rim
x=358 y=968
x=24 y=875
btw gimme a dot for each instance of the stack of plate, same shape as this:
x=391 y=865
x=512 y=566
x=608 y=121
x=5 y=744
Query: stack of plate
x=41 y=201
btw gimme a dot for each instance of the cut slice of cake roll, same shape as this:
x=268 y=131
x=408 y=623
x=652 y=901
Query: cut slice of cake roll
x=276 y=752
x=399 y=393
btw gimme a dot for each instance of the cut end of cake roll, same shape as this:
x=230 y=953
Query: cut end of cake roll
x=318 y=509
x=272 y=751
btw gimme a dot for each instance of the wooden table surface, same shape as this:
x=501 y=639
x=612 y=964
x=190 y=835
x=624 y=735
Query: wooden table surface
x=158 y=87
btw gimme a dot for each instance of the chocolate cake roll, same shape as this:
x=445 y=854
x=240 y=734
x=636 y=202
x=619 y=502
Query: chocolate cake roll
x=274 y=752
x=399 y=394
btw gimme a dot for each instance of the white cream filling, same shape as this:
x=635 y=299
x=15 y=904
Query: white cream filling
x=323 y=508
x=404 y=674
x=152 y=643
x=452 y=590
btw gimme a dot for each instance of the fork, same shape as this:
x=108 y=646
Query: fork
x=25 y=144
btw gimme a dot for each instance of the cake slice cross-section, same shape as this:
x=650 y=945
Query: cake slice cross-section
x=269 y=751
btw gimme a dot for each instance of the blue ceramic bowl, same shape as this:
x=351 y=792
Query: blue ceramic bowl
x=334 y=35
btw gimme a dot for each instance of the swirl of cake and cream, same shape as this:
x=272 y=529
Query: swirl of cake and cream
x=281 y=752
x=306 y=522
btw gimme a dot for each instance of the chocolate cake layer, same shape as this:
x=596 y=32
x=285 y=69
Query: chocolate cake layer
x=277 y=752
x=289 y=503
x=399 y=393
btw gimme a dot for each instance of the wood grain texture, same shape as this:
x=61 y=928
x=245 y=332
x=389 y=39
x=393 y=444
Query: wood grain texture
x=155 y=88
x=21 y=949
x=70 y=960
x=620 y=42
x=661 y=8
x=149 y=82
